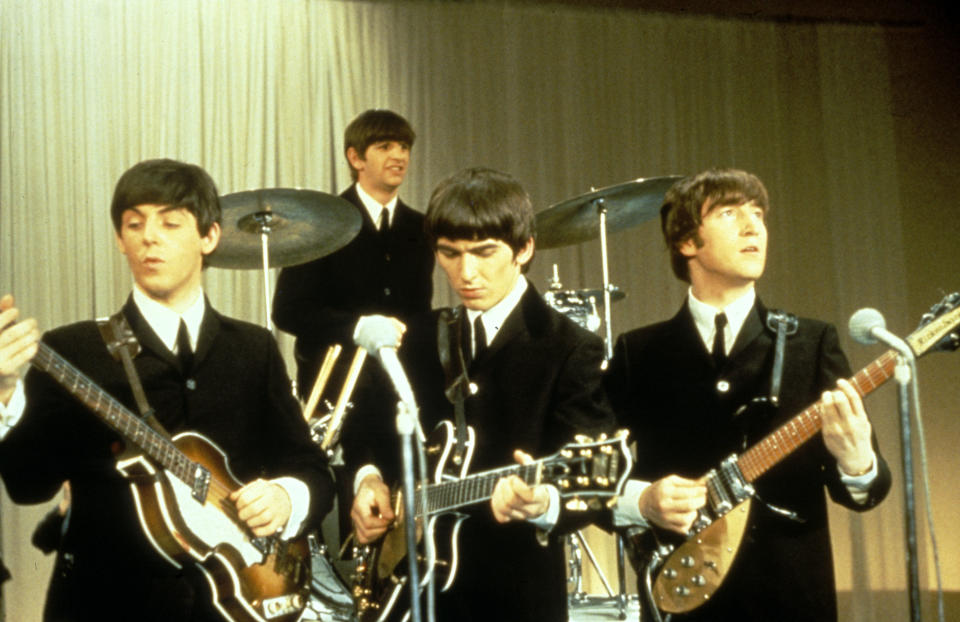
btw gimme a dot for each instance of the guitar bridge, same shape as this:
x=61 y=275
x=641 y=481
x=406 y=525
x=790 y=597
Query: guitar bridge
x=726 y=487
x=201 y=483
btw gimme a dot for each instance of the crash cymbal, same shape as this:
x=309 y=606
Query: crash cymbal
x=301 y=225
x=578 y=220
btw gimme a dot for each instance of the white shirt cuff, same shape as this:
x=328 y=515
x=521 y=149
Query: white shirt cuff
x=362 y=472
x=626 y=511
x=548 y=519
x=299 y=495
x=859 y=485
x=10 y=414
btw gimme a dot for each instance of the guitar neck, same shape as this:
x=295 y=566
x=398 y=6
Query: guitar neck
x=447 y=496
x=114 y=414
x=782 y=442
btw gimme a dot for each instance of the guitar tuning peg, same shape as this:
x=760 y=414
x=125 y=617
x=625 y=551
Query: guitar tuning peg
x=582 y=438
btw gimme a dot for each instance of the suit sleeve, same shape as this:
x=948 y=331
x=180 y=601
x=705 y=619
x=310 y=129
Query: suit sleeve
x=301 y=305
x=294 y=453
x=834 y=365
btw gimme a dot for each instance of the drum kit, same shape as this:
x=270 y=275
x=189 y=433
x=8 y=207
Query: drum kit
x=280 y=227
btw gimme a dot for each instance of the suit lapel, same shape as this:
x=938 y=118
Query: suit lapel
x=145 y=335
x=209 y=328
x=515 y=327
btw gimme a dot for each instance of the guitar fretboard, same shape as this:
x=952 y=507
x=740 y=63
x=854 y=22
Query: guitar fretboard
x=116 y=415
x=447 y=496
x=782 y=442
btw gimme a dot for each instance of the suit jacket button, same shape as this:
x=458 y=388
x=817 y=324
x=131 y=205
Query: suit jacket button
x=191 y=384
x=723 y=386
x=386 y=291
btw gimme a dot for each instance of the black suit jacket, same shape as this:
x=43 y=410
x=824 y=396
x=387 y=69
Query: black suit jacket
x=319 y=302
x=682 y=413
x=539 y=384
x=238 y=395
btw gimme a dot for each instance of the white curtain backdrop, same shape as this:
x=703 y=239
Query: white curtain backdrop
x=566 y=99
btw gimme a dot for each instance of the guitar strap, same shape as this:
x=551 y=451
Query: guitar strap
x=123 y=346
x=783 y=324
x=457 y=383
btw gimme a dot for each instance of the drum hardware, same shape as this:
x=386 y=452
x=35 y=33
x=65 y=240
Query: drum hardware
x=323 y=376
x=279 y=227
x=609 y=209
x=582 y=218
x=580 y=305
x=325 y=430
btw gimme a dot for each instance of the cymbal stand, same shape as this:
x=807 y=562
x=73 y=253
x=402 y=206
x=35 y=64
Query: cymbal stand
x=608 y=354
x=260 y=222
x=608 y=341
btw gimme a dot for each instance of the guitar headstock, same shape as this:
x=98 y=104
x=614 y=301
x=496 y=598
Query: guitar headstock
x=589 y=470
x=938 y=328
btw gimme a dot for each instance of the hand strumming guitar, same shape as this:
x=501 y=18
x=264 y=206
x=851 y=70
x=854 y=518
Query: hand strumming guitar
x=264 y=506
x=672 y=502
x=371 y=513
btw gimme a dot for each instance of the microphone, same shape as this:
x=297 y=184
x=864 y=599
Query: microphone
x=867 y=326
x=391 y=364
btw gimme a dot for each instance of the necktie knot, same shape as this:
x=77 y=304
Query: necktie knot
x=719 y=342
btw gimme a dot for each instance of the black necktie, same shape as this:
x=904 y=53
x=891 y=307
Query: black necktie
x=479 y=338
x=719 y=350
x=184 y=351
x=384 y=224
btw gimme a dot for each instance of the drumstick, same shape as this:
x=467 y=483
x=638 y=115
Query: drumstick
x=337 y=416
x=322 y=377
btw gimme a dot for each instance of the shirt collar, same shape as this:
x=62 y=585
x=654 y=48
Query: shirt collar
x=736 y=312
x=165 y=322
x=374 y=207
x=494 y=317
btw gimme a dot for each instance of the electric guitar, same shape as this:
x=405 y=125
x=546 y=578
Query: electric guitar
x=686 y=576
x=181 y=488
x=584 y=472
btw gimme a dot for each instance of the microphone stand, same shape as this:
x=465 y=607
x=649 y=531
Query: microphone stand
x=902 y=374
x=411 y=435
x=406 y=424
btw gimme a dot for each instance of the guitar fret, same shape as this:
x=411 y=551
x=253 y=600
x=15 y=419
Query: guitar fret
x=112 y=412
x=798 y=430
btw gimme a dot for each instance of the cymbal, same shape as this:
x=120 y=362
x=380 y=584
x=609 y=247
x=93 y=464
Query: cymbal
x=578 y=220
x=301 y=225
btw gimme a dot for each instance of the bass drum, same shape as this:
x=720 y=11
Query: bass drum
x=329 y=599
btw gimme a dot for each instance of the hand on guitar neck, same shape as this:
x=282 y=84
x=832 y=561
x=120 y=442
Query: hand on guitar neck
x=18 y=345
x=513 y=499
x=846 y=429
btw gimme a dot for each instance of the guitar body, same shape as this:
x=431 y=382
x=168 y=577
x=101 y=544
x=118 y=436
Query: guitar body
x=583 y=472
x=683 y=578
x=252 y=580
x=696 y=568
x=381 y=577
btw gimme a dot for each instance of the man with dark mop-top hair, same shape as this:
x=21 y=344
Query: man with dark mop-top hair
x=200 y=372
x=679 y=386
x=538 y=384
